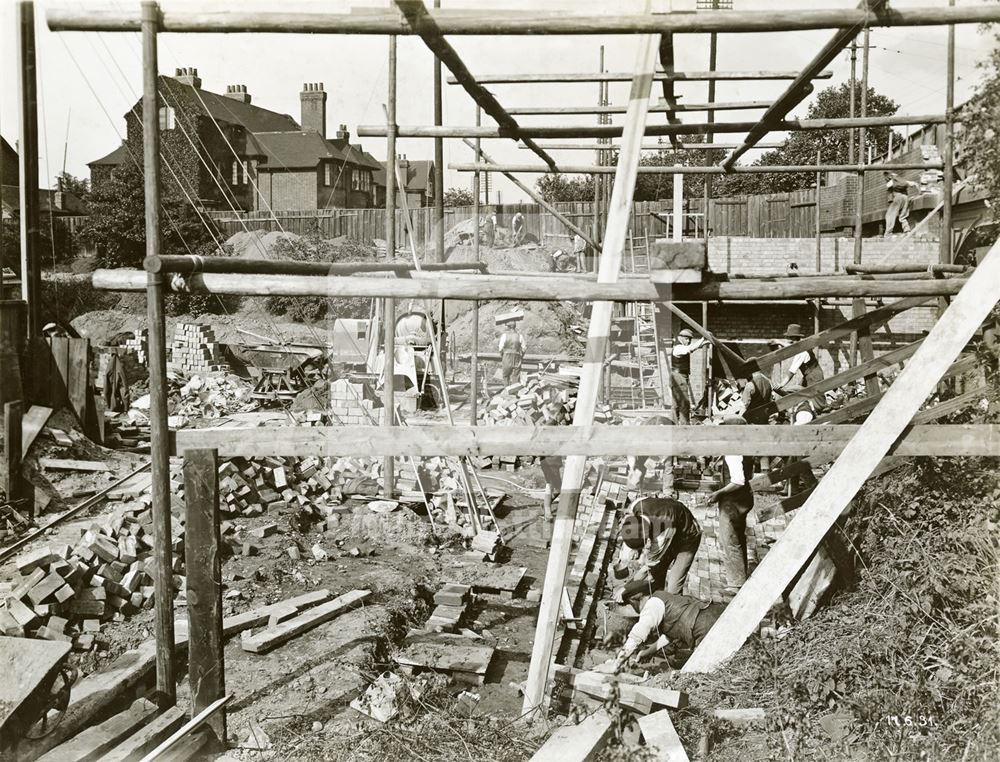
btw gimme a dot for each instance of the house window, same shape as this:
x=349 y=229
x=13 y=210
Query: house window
x=236 y=173
x=166 y=117
x=355 y=179
x=328 y=174
x=243 y=166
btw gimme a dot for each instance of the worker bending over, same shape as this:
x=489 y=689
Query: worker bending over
x=735 y=500
x=667 y=618
x=667 y=535
x=511 y=355
x=899 y=202
x=755 y=393
x=804 y=364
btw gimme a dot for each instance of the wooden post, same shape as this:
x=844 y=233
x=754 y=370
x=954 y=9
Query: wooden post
x=949 y=148
x=166 y=688
x=600 y=326
x=819 y=238
x=474 y=361
x=438 y=167
x=389 y=305
x=203 y=560
x=31 y=276
x=854 y=87
x=857 y=461
x=12 y=450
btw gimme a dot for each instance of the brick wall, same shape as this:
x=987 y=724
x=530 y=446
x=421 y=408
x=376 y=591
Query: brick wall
x=291 y=190
x=757 y=256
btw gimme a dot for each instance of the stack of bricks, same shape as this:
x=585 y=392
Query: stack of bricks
x=138 y=343
x=354 y=404
x=195 y=350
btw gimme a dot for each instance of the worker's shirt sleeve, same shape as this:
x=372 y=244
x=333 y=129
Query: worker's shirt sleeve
x=679 y=350
x=798 y=361
x=747 y=396
x=735 y=465
x=658 y=544
x=503 y=341
x=649 y=622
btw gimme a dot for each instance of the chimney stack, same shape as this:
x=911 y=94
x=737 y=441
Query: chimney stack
x=313 y=99
x=343 y=134
x=188 y=76
x=238 y=93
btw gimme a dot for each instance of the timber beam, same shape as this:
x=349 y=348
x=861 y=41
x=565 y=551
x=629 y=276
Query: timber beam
x=418 y=17
x=650 y=146
x=622 y=76
x=658 y=108
x=681 y=169
x=477 y=22
x=682 y=441
x=800 y=88
x=530 y=288
x=651 y=130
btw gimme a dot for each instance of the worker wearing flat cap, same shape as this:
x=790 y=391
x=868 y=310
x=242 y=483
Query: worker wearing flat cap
x=804 y=364
x=735 y=500
x=680 y=373
x=668 y=536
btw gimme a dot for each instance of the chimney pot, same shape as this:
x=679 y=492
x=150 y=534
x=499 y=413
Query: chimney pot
x=188 y=76
x=238 y=93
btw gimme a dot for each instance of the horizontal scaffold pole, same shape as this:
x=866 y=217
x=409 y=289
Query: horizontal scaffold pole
x=606 y=440
x=528 y=288
x=648 y=146
x=622 y=76
x=492 y=22
x=194 y=264
x=680 y=169
x=652 y=130
x=659 y=108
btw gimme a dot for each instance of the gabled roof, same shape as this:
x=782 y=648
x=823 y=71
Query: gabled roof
x=295 y=150
x=57 y=202
x=418 y=175
x=223 y=109
x=116 y=158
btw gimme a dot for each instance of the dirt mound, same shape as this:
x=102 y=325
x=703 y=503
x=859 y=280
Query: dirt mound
x=256 y=244
x=525 y=258
x=547 y=326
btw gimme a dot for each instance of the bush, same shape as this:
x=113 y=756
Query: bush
x=63 y=301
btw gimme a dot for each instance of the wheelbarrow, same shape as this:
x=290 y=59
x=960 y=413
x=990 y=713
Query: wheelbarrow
x=35 y=681
x=280 y=374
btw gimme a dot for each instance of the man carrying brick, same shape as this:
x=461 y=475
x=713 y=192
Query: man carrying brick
x=680 y=374
x=511 y=355
x=735 y=499
x=668 y=535
x=899 y=202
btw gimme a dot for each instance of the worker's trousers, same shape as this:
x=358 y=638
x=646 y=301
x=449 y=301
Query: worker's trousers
x=898 y=207
x=733 y=539
x=672 y=574
x=681 y=396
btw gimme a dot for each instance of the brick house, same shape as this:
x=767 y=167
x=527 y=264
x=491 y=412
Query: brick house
x=419 y=181
x=223 y=149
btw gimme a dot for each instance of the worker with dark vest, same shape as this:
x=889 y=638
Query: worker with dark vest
x=899 y=202
x=678 y=620
x=735 y=500
x=668 y=535
x=511 y=355
x=680 y=374
x=804 y=364
x=755 y=392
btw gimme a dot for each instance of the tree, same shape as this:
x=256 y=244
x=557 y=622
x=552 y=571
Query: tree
x=978 y=138
x=564 y=188
x=79 y=187
x=458 y=197
x=802 y=147
x=116 y=227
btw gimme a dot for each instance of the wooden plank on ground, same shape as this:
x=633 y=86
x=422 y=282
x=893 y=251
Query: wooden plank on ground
x=67 y=464
x=32 y=424
x=661 y=738
x=445 y=652
x=953 y=330
x=577 y=743
x=273 y=637
x=147 y=738
x=94 y=742
x=499 y=579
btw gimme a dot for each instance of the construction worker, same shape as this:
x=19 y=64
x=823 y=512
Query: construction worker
x=735 y=499
x=489 y=230
x=637 y=463
x=678 y=620
x=511 y=349
x=755 y=392
x=517 y=226
x=668 y=536
x=804 y=364
x=899 y=202
x=680 y=373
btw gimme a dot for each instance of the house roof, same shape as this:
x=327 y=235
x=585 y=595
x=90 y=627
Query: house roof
x=253 y=118
x=11 y=168
x=418 y=174
x=305 y=149
x=58 y=202
x=115 y=158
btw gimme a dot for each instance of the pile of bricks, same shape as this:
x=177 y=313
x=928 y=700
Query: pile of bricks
x=138 y=343
x=66 y=592
x=195 y=350
x=252 y=487
x=450 y=605
x=544 y=399
x=355 y=404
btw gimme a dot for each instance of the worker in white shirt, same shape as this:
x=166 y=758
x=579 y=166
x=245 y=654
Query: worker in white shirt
x=678 y=620
x=804 y=364
x=511 y=349
x=518 y=229
x=680 y=373
x=735 y=499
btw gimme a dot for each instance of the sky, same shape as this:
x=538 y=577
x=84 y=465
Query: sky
x=87 y=81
